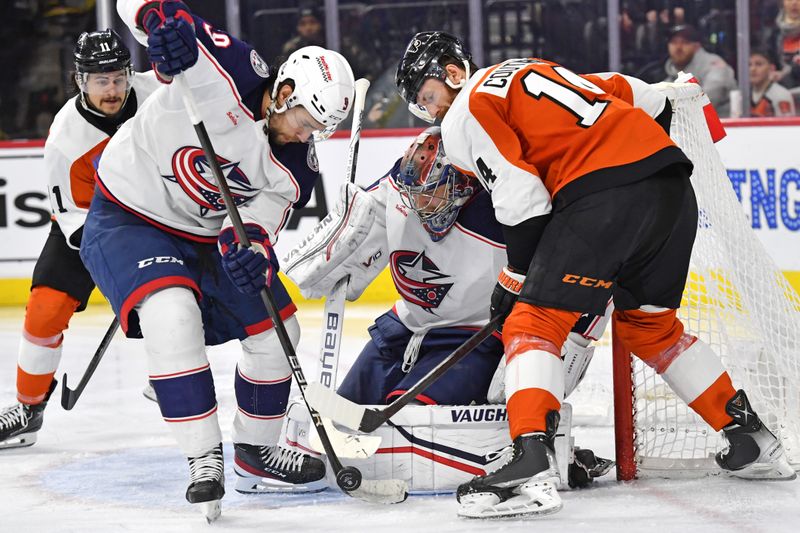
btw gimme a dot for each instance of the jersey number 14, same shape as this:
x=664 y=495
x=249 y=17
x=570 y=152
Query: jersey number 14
x=566 y=94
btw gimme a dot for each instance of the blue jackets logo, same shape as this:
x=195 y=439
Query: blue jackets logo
x=193 y=173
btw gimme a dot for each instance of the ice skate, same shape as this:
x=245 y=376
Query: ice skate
x=207 y=484
x=524 y=486
x=753 y=452
x=20 y=422
x=277 y=469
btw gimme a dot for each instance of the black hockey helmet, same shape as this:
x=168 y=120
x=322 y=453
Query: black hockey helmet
x=101 y=51
x=421 y=61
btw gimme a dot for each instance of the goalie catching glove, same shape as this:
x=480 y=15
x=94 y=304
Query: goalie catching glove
x=350 y=241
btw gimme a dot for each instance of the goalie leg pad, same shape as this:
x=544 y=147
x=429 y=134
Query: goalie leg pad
x=262 y=382
x=179 y=370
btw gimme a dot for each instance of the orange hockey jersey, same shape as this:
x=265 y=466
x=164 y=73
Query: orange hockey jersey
x=527 y=128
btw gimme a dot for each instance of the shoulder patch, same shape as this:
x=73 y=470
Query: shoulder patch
x=311 y=158
x=259 y=65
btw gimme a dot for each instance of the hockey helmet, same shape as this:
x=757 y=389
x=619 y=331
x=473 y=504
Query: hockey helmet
x=323 y=85
x=430 y=186
x=100 y=52
x=422 y=60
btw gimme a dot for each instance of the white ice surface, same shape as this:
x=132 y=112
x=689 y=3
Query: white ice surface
x=109 y=465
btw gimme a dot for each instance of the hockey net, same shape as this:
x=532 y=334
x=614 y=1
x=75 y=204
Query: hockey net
x=738 y=302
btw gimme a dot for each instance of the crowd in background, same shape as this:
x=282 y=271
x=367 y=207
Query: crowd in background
x=658 y=39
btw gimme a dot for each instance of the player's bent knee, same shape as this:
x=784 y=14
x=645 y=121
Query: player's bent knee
x=263 y=357
x=648 y=334
x=47 y=315
x=173 y=330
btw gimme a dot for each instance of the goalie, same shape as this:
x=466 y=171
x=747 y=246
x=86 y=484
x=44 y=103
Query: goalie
x=435 y=229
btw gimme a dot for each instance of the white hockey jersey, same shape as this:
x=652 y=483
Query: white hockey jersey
x=72 y=150
x=155 y=168
x=446 y=283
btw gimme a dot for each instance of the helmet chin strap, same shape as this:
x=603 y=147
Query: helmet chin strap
x=463 y=82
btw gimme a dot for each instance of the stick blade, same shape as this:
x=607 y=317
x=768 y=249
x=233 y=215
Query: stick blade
x=66 y=395
x=385 y=491
x=329 y=404
x=344 y=444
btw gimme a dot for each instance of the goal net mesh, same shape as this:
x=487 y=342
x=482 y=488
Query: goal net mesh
x=737 y=301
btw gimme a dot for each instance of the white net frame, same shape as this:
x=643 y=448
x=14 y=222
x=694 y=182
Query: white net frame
x=736 y=300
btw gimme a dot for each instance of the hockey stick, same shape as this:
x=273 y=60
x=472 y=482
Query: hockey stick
x=361 y=418
x=70 y=397
x=346 y=445
x=348 y=478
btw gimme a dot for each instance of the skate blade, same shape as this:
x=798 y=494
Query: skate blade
x=779 y=470
x=247 y=483
x=211 y=510
x=535 y=499
x=20 y=441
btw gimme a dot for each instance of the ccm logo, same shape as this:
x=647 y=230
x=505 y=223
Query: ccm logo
x=587 y=282
x=160 y=259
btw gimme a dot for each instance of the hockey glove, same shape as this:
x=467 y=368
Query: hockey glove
x=249 y=269
x=171 y=41
x=586 y=467
x=505 y=293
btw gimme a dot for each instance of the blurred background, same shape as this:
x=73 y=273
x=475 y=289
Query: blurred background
x=735 y=47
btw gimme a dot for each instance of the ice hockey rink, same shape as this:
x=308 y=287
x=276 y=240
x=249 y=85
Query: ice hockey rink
x=110 y=465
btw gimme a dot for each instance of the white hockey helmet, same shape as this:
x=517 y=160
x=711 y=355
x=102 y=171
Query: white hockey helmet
x=323 y=84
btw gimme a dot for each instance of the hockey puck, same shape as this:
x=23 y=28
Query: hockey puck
x=348 y=478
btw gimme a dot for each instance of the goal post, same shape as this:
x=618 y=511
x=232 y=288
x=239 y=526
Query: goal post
x=738 y=302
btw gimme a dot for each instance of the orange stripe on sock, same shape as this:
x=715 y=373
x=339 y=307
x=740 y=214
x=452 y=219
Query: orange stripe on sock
x=711 y=403
x=547 y=323
x=47 y=315
x=32 y=388
x=527 y=409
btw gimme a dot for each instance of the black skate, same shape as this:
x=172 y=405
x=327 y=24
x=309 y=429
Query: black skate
x=207 y=482
x=20 y=422
x=585 y=467
x=753 y=452
x=524 y=486
x=277 y=469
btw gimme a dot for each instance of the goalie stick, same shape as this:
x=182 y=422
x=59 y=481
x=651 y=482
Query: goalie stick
x=348 y=478
x=361 y=418
x=346 y=445
x=70 y=397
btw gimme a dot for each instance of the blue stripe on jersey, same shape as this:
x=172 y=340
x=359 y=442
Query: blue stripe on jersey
x=478 y=217
x=299 y=159
x=186 y=396
x=262 y=399
x=393 y=172
x=239 y=60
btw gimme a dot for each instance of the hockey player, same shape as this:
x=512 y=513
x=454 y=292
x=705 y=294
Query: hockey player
x=156 y=222
x=595 y=200
x=109 y=94
x=435 y=229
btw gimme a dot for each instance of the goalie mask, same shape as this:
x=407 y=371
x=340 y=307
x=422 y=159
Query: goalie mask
x=430 y=186
x=103 y=71
x=323 y=84
x=422 y=60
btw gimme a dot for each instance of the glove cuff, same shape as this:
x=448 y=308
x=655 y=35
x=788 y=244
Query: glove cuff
x=510 y=280
x=257 y=235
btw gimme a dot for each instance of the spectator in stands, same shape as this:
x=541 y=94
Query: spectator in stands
x=309 y=31
x=788 y=43
x=714 y=74
x=768 y=97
